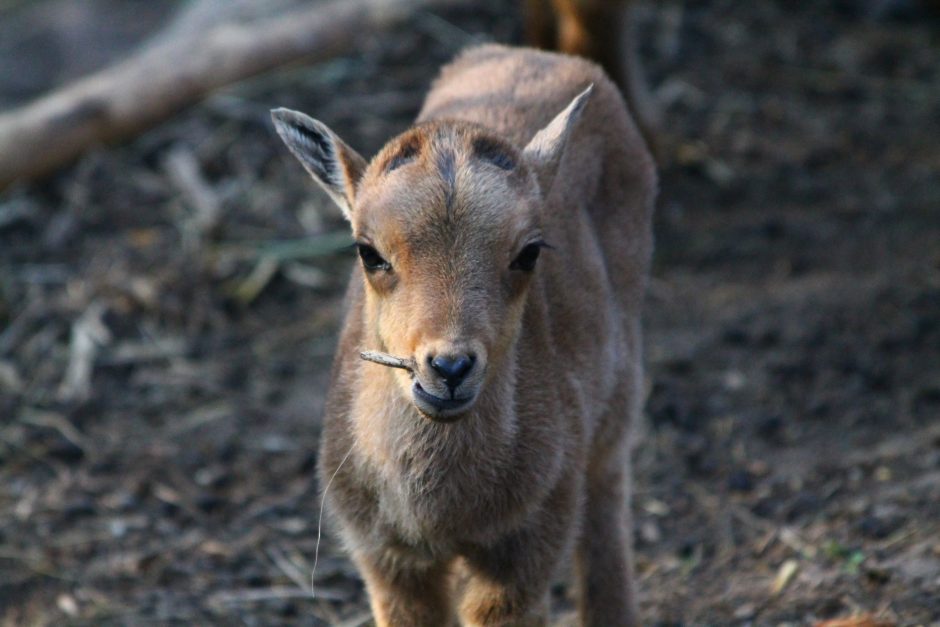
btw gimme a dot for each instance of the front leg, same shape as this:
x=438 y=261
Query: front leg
x=405 y=592
x=605 y=551
x=507 y=584
x=505 y=587
x=605 y=555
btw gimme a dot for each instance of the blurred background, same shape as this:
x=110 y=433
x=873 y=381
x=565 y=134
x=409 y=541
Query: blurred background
x=169 y=305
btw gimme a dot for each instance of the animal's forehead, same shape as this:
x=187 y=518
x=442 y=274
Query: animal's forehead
x=440 y=182
x=441 y=140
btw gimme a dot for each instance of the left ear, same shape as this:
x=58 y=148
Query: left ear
x=328 y=159
x=544 y=150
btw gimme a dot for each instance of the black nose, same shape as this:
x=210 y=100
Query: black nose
x=452 y=369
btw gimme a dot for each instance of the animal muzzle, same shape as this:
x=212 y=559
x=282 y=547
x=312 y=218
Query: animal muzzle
x=447 y=382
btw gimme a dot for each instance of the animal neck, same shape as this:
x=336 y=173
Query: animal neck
x=402 y=444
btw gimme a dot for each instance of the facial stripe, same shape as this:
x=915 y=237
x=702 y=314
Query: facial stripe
x=408 y=153
x=494 y=152
x=446 y=165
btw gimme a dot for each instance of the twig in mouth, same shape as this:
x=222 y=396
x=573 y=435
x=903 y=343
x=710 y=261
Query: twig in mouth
x=384 y=359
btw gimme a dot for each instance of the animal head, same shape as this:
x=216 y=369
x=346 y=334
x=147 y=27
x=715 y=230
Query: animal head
x=447 y=220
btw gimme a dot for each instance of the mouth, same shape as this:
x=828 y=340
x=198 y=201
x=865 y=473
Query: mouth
x=437 y=408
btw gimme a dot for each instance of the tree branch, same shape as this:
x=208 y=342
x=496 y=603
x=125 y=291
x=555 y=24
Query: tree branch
x=174 y=71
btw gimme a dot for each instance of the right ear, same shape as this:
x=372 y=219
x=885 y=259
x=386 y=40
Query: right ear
x=328 y=159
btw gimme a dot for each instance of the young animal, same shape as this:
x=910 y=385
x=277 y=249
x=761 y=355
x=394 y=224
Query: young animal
x=601 y=30
x=505 y=244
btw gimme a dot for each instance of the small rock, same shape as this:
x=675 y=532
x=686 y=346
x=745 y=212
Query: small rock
x=117 y=527
x=10 y=380
x=734 y=380
x=68 y=605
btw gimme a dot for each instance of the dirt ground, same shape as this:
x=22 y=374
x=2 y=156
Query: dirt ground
x=161 y=384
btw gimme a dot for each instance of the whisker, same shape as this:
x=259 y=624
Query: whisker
x=316 y=552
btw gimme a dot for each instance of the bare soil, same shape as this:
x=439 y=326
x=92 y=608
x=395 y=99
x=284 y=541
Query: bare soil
x=161 y=383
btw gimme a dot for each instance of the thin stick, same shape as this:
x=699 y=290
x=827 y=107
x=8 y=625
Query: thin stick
x=384 y=359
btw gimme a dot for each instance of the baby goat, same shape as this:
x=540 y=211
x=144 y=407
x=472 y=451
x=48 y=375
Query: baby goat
x=505 y=246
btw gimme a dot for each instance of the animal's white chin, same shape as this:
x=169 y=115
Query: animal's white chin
x=440 y=409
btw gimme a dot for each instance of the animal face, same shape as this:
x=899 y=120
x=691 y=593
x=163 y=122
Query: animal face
x=448 y=227
x=447 y=222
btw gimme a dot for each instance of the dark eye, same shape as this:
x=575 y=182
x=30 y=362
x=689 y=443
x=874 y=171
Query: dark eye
x=372 y=260
x=526 y=259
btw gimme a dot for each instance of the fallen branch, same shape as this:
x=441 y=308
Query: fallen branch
x=175 y=71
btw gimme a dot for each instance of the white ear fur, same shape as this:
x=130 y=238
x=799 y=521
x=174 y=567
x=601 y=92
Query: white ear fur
x=328 y=159
x=545 y=149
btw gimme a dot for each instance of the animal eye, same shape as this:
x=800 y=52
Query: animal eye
x=526 y=259
x=372 y=260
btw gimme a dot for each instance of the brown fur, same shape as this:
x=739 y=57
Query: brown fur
x=601 y=30
x=470 y=517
